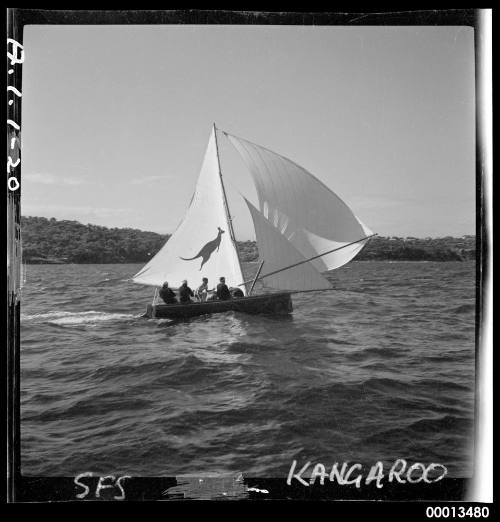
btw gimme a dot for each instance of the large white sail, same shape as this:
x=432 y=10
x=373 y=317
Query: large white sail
x=312 y=217
x=277 y=252
x=202 y=245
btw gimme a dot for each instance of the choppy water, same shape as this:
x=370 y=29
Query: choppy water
x=382 y=368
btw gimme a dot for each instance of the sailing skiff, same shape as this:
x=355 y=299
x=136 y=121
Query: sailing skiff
x=302 y=229
x=272 y=304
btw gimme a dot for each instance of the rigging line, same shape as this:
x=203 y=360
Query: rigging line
x=256 y=277
x=313 y=290
x=310 y=259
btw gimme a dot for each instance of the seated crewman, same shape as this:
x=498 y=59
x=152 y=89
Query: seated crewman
x=238 y=292
x=202 y=291
x=223 y=293
x=185 y=293
x=167 y=294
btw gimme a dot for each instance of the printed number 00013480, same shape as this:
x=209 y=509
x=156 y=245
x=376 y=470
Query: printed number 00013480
x=457 y=512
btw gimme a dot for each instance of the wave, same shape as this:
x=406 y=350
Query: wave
x=446 y=423
x=335 y=340
x=181 y=370
x=109 y=281
x=374 y=388
x=235 y=391
x=463 y=309
x=417 y=386
x=93 y=406
x=76 y=318
x=459 y=426
x=376 y=353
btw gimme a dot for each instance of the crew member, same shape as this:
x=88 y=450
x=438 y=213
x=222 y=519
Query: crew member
x=238 y=292
x=202 y=291
x=167 y=294
x=223 y=293
x=185 y=293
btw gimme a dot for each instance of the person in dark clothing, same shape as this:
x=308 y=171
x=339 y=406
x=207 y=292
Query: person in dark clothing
x=223 y=293
x=185 y=293
x=238 y=292
x=167 y=294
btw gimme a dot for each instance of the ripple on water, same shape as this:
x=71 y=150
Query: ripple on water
x=380 y=368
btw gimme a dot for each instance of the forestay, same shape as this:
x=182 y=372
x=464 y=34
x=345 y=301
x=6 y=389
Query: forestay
x=301 y=208
x=201 y=246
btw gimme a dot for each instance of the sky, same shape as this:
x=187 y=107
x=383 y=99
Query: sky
x=116 y=120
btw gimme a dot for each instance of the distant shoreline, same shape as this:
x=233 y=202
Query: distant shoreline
x=50 y=241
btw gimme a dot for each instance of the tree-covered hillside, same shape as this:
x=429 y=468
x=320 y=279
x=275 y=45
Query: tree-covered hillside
x=73 y=242
x=53 y=241
x=416 y=249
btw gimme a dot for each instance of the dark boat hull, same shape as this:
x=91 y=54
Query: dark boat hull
x=279 y=303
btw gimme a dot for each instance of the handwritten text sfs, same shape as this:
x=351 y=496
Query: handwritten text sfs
x=106 y=482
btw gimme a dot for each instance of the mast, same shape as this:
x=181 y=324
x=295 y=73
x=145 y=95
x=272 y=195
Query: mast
x=226 y=206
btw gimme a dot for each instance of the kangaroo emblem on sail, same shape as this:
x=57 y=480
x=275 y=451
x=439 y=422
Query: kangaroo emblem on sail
x=208 y=249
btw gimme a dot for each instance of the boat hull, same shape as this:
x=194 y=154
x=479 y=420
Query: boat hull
x=275 y=304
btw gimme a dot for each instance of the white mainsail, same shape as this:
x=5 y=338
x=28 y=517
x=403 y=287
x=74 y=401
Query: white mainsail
x=202 y=245
x=304 y=210
x=277 y=252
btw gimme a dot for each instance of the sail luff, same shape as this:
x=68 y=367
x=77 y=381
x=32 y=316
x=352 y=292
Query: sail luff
x=226 y=204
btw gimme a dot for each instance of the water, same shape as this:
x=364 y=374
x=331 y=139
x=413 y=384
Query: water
x=380 y=369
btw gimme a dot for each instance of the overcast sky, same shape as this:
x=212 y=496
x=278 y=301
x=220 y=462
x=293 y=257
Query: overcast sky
x=116 y=119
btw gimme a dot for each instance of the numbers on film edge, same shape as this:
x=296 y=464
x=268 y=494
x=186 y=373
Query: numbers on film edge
x=457 y=512
x=15 y=54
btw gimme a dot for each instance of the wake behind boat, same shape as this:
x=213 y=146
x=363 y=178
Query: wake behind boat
x=302 y=229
